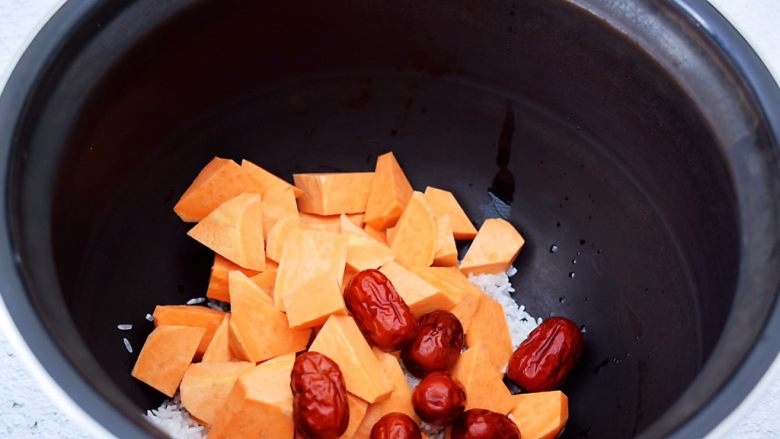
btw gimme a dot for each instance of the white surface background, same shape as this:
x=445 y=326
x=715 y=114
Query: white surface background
x=26 y=412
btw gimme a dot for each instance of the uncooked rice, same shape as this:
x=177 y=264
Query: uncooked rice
x=196 y=300
x=172 y=418
x=149 y=317
x=128 y=346
x=219 y=306
x=124 y=326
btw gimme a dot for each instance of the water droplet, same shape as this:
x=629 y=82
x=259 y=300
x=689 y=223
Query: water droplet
x=566 y=198
x=574 y=261
x=553 y=248
x=628 y=354
x=587 y=299
x=599 y=251
x=558 y=224
x=562 y=299
x=571 y=275
x=583 y=329
x=582 y=242
x=616 y=360
x=637 y=338
x=579 y=252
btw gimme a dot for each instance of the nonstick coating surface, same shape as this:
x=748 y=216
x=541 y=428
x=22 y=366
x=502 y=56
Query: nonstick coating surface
x=594 y=147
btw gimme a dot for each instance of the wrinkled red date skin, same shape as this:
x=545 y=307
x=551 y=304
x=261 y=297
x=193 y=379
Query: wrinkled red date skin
x=380 y=313
x=543 y=360
x=437 y=345
x=484 y=424
x=439 y=399
x=396 y=426
x=320 y=409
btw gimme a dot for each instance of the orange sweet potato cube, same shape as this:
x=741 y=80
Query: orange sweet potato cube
x=309 y=277
x=540 y=415
x=453 y=283
x=357 y=411
x=166 y=355
x=363 y=251
x=489 y=328
x=260 y=404
x=235 y=231
x=277 y=237
x=218 y=350
x=186 y=315
x=340 y=339
x=258 y=330
x=446 y=252
x=484 y=385
x=328 y=223
x=206 y=386
x=278 y=204
x=220 y=180
x=218 y=282
x=334 y=194
x=400 y=400
x=444 y=203
x=494 y=249
x=390 y=192
x=379 y=235
x=419 y=295
x=414 y=238
x=264 y=181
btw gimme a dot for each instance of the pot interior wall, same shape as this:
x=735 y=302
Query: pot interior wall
x=595 y=149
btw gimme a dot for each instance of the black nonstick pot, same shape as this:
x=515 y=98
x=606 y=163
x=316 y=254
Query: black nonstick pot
x=639 y=137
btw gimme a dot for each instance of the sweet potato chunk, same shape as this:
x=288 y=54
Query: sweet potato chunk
x=218 y=282
x=484 y=383
x=453 y=283
x=489 y=327
x=494 y=249
x=421 y=296
x=309 y=277
x=278 y=236
x=259 y=331
x=379 y=235
x=390 y=192
x=278 y=204
x=166 y=355
x=235 y=231
x=357 y=411
x=218 y=350
x=363 y=251
x=340 y=339
x=446 y=252
x=400 y=400
x=444 y=203
x=260 y=404
x=206 y=386
x=330 y=223
x=220 y=180
x=414 y=239
x=185 y=315
x=334 y=194
x=265 y=181
x=540 y=415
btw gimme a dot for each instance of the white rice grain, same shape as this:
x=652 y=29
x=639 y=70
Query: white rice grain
x=219 y=306
x=172 y=418
x=124 y=326
x=128 y=346
x=149 y=317
x=196 y=300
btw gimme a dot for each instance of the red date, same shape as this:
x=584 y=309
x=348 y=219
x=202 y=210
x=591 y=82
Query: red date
x=437 y=345
x=320 y=409
x=484 y=424
x=396 y=426
x=543 y=360
x=438 y=399
x=380 y=313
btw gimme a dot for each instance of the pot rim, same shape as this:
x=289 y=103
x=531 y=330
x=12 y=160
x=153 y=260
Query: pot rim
x=76 y=397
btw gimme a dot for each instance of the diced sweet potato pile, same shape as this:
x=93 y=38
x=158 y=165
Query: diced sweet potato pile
x=283 y=255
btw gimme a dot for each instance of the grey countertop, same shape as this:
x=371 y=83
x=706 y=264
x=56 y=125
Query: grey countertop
x=25 y=411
